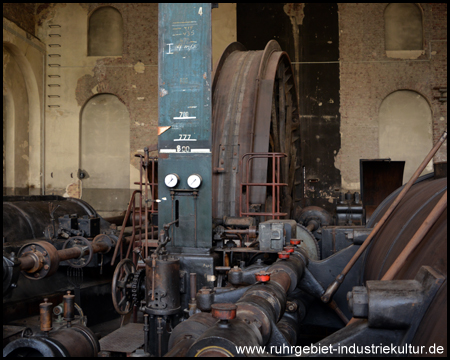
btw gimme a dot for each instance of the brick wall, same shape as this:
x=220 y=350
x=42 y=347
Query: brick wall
x=367 y=76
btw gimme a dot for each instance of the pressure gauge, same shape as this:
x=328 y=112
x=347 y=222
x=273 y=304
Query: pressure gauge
x=194 y=181
x=171 y=180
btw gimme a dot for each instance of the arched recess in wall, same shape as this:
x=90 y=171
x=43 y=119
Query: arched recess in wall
x=22 y=124
x=405 y=130
x=105 y=154
x=105 y=32
x=403 y=27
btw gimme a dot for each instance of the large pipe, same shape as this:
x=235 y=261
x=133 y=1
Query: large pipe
x=334 y=286
x=262 y=303
x=76 y=341
x=34 y=260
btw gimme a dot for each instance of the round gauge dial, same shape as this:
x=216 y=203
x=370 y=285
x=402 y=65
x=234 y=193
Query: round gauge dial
x=171 y=180
x=194 y=181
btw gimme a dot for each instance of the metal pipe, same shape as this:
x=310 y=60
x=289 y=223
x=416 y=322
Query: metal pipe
x=340 y=278
x=332 y=304
x=311 y=226
x=193 y=285
x=32 y=260
x=123 y=227
x=417 y=238
x=145 y=200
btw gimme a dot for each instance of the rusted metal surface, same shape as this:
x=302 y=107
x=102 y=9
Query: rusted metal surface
x=69 y=307
x=223 y=311
x=275 y=185
x=40 y=259
x=140 y=209
x=254 y=103
x=163 y=286
x=399 y=230
x=45 y=312
x=417 y=238
x=432 y=251
x=121 y=286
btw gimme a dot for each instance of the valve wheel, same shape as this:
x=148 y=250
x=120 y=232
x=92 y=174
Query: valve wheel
x=79 y=241
x=121 y=289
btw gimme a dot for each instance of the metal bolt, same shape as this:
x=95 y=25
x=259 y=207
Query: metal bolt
x=291 y=306
x=33 y=247
x=46 y=267
x=36 y=276
x=44 y=253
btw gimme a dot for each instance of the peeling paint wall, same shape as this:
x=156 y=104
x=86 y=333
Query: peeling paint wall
x=15 y=83
x=23 y=58
x=223 y=29
x=405 y=118
x=132 y=77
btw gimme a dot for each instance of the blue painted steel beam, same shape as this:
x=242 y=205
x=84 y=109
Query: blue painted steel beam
x=184 y=143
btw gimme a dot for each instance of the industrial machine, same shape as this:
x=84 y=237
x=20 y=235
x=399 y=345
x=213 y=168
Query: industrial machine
x=238 y=263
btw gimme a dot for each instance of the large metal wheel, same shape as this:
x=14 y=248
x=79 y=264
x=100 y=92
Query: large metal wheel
x=121 y=289
x=254 y=110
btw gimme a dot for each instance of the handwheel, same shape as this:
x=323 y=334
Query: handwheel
x=79 y=241
x=121 y=290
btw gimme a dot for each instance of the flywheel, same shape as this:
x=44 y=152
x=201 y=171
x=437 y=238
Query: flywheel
x=255 y=110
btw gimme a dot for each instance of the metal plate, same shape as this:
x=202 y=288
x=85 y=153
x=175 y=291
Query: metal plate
x=125 y=339
x=184 y=140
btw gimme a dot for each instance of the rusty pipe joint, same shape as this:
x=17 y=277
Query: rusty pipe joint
x=38 y=260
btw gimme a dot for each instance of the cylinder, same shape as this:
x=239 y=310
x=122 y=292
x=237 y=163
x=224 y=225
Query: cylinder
x=45 y=312
x=77 y=341
x=432 y=251
x=26 y=217
x=166 y=287
x=69 y=307
x=193 y=284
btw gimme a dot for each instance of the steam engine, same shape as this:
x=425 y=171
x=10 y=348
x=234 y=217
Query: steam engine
x=224 y=253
